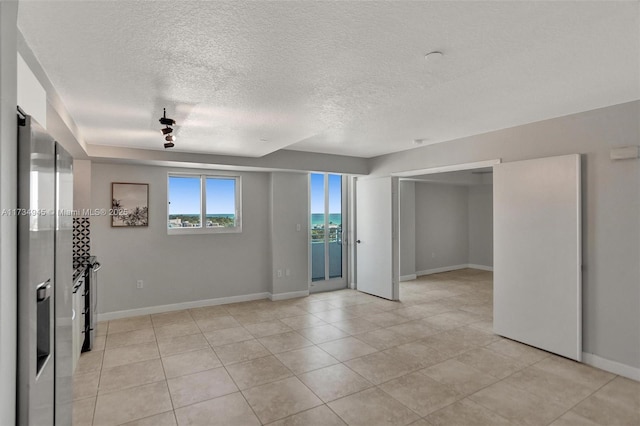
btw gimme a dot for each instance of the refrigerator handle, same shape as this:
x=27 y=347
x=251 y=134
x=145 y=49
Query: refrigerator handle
x=43 y=291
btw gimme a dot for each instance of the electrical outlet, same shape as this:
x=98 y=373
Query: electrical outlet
x=140 y=284
x=279 y=273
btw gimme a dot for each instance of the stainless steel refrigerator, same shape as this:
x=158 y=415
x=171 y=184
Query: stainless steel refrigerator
x=45 y=226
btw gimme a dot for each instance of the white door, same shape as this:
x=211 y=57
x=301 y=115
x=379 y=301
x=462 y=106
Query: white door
x=377 y=237
x=537 y=253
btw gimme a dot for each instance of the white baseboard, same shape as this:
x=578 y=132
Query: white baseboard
x=408 y=277
x=452 y=268
x=611 y=366
x=442 y=269
x=179 y=306
x=290 y=295
x=481 y=267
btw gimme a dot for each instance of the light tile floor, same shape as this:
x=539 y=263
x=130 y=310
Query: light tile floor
x=341 y=358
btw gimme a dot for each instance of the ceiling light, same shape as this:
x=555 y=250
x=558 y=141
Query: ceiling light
x=166 y=121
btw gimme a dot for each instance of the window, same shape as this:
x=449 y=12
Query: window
x=327 y=210
x=203 y=204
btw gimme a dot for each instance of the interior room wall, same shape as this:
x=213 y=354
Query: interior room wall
x=611 y=211
x=289 y=235
x=32 y=97
x=442 y=226
x=480 y=217
x=8 y=200
x=81 y=185
x=407 y=230
x=178 y=268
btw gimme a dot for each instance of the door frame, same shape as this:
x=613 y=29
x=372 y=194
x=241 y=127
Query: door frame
x=408 y=174
x=449 y=168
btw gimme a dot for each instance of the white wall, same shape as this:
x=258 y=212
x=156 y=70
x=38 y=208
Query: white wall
x=611 y=209
x=177 y=268
x=442 y=235
x=289 y=246
x=82 y=185
x=32 y=97
x=480 y=217
x=407 y=229
x=8 y=200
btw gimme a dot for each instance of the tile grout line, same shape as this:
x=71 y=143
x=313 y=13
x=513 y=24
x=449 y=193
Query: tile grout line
x=230 y=376
x=104 y=351
x=361 y=315
x=585 y=398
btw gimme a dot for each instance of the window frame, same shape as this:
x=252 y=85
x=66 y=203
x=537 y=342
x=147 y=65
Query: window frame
x=203 y=205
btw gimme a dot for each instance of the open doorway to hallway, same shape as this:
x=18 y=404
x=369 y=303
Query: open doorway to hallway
x=446 y=252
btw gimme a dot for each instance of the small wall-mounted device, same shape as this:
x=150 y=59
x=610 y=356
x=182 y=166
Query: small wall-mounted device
x=624 y=153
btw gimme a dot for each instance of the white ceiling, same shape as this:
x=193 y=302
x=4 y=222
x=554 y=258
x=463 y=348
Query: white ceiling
x=250 y=78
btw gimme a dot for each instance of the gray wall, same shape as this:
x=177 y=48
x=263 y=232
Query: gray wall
x=445 y=225
x=407 y=228
x=289 y=246
x=611 y=209
x=480 y=217
x=82 y=185
x=442 y=236
x=8 y=200
x=177 y=268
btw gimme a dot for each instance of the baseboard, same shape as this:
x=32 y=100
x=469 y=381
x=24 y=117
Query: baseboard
x=290 y=295
x=408 y=277
x=452 y=268
x=179 y=306
x=481 y=267
x=611 y=366
x=442 y=269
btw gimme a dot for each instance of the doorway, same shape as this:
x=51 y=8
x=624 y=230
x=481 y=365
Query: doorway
x=537 y=237
x=446 y=248
x=446 y=222
x=327 y=231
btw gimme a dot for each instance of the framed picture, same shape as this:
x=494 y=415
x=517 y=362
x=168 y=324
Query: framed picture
x=129 y=204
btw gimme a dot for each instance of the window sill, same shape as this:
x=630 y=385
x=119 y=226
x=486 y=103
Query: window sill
x=197 y=231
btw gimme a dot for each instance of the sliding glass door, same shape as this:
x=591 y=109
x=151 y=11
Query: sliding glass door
x=328 y=228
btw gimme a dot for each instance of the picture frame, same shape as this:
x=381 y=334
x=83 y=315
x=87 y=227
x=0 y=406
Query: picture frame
x=129 y=205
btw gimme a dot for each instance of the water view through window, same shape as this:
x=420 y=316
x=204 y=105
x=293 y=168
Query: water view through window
x=185 y=202
x=326 y=226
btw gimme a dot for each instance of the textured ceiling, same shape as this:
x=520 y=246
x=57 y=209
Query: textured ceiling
x=250 y=78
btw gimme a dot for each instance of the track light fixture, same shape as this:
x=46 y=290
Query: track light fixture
x=165 y=121
x=166 y=131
